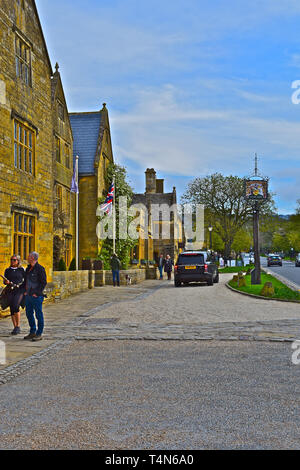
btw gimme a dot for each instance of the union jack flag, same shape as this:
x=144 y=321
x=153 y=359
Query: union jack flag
x=107 y=205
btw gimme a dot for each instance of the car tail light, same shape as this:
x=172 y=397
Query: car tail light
x=205 y=268
x=175 y=267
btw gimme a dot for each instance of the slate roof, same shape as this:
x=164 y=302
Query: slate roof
x=85 y=128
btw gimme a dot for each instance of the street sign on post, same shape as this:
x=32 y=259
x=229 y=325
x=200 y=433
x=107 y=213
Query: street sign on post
x=256 y=193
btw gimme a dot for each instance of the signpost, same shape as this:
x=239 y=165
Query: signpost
x=256 y=192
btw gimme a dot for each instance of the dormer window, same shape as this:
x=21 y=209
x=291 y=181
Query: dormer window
x=61 y=116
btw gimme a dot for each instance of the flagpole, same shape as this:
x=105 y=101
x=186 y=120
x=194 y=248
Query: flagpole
x=77 y=215
x=114 y=217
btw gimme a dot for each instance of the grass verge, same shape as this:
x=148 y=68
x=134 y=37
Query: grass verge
x=235 y=269
x=281 y=291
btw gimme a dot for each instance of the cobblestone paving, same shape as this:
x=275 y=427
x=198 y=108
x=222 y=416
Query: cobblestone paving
x=153 y=311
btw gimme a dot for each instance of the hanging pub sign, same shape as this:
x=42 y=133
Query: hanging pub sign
x=256 y=189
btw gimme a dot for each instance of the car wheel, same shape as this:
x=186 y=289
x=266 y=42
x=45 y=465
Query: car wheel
x=177 y=283
x=210 y=282
x=216 y=279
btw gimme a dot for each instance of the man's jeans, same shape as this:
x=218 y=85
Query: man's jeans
x=160 y=271
x=34 y=304
x=116 y=277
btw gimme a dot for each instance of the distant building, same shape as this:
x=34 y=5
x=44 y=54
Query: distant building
x=154 y=242
x=92 y=144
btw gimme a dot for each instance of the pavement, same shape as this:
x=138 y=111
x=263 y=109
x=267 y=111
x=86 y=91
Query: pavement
x=151 y=366
x=152 y=310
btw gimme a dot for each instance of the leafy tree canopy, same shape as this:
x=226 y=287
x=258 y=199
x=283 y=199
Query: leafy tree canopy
x=225 y=204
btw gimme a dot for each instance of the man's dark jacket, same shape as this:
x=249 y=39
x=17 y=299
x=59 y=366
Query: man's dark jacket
x=35 y=280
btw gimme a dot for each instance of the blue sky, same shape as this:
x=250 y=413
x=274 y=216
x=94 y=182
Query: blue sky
x=192 y=87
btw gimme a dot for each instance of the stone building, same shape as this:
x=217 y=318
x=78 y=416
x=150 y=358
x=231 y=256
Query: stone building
x=26 y=135
x=64 y=228
x=161 y=226
x=92 y=144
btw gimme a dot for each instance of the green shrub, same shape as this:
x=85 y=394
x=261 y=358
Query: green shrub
x=62 y=265
x=72 y=266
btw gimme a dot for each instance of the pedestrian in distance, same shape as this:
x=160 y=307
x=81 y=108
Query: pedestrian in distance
x=35 y=283
x=161 y=263
x=115 y=264
x=14 y=279
x=168 y=266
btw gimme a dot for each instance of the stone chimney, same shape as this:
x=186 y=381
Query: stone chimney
x=160 y=186
x=150 y=180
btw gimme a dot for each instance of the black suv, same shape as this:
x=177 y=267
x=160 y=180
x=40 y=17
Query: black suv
x=192 y=267
x=297 y=260
x=274 y=260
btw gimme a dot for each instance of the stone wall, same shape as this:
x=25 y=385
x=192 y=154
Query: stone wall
x=66 y=283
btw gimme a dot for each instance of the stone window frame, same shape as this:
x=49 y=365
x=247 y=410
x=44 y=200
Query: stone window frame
x=57 y=149
x=59 y=197
x=23 y=54
x=24 y=147
x=67 y=156
x=24 y=229
x=61 y=116
x=62 y=151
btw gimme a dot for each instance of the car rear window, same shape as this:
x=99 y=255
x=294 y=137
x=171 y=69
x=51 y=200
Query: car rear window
x=275 y=257
x=191 y=259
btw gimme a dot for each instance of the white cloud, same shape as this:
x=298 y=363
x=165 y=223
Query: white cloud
x=161 y=132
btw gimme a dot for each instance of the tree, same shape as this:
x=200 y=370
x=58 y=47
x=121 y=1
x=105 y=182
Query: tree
x=242 y=241
x=226 y=207
x=286 y=234
x=122 y=188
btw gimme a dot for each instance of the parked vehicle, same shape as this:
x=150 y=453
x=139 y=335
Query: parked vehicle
x=297 y=261
x=191 y=266
x=274 y=260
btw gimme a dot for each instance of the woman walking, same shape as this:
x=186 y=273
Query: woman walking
x=15 y=278
x=168 y=266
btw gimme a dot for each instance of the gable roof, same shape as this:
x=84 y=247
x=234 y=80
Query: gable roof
x=86 y=129
x=56 y=87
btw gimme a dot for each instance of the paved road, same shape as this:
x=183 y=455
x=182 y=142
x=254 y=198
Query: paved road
x=85 y=391
x=288 y=270
x=156 y=395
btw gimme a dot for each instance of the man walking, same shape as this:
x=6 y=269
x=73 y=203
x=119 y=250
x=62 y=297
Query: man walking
x=161 y=263
x=115 y=267
x=35 y=283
